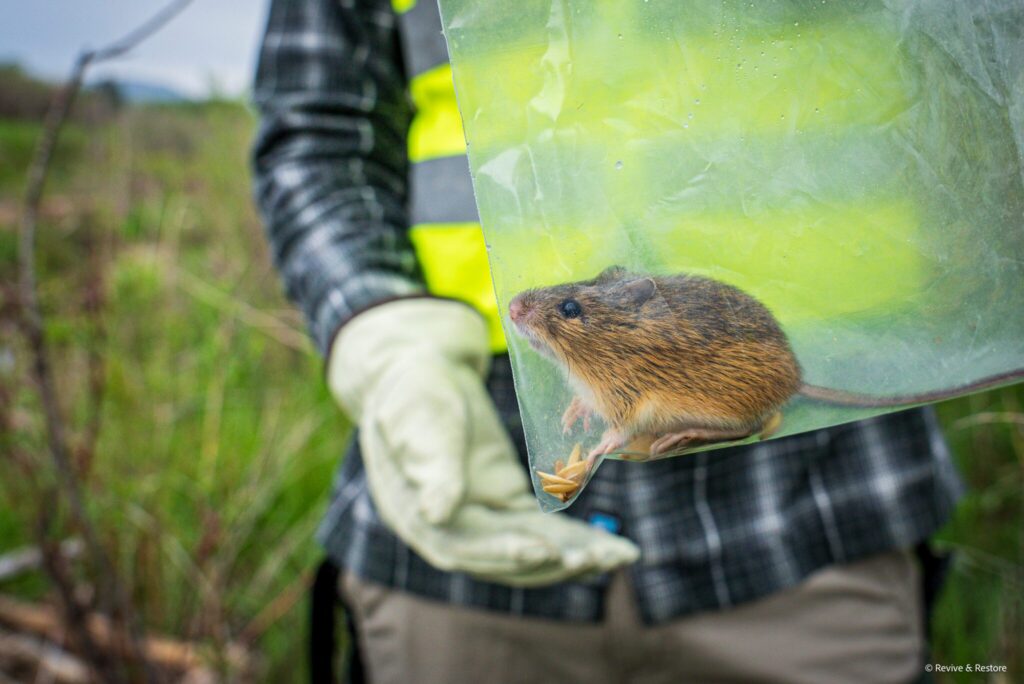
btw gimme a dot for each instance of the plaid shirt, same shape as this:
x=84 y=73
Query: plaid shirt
x=715 y=529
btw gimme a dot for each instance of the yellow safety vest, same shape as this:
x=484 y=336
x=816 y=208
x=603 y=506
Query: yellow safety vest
x=445 y=228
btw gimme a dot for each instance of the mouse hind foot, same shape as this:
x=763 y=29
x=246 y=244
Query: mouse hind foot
x=612 y=440
x=697 y=436
x=690 y=437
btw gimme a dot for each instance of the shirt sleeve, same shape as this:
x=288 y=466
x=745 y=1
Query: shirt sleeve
x=329 y=159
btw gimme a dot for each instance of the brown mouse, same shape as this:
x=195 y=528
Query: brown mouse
x=677 y=361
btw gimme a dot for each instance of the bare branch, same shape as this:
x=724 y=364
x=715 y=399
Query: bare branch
x=32 y=319
x=18 y=562
x=49 y=662
x=247 y=314
x=167 y=653
x=96 y=359
x=74 y=613
x=131 y=39
x=989 y=418
x=276 y=608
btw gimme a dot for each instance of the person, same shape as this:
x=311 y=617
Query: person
x=789 y=560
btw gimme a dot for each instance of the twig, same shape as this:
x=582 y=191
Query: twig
x=133 y=38
x=50 y=557
x=32 y=319
x=974 y=557
x=43 y=657
x=20 y=561
x=96 y=360
x=276 y=609
x=43 y=621
x=266 y=323
x=989 y=418
x=74 y=611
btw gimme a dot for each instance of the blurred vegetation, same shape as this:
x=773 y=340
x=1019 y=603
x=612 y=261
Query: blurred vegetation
x=217 y=439
x=26 y=98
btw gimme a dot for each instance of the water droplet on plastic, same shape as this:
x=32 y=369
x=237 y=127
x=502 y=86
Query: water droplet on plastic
x=618 y=164
x=796 y=23
x=686 y=125
x=816 y=110
x=696 y=101
x=690 y=115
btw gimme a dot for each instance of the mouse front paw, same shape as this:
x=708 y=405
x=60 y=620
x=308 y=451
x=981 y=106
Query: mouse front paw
x=611 y=440
x=575 y=411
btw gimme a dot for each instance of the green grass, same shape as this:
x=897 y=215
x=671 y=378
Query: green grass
x=980 y=617
x=218 y=440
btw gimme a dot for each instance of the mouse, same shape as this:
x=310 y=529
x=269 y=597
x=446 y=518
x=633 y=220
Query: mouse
x=673 y=362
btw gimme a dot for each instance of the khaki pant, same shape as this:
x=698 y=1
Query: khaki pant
x=859 y=622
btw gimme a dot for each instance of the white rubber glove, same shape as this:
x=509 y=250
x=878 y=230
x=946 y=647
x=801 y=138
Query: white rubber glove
x=442 y=470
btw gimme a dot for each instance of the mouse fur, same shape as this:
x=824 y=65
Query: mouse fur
x=664 y=354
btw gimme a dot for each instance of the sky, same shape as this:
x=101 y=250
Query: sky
x=210 y=47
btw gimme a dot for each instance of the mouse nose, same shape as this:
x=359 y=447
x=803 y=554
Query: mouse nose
x=515 y=309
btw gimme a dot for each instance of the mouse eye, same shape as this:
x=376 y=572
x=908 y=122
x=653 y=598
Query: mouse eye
x=570 y=308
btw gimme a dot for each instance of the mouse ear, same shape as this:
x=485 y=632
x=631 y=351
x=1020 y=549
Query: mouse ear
x=610 y=273
x=639 y=291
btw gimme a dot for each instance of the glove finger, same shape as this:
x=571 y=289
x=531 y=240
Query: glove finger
x=469 y=543
x=568 y=567
x=579 y=549
x=423 y=418
x=480 y=542
x=513 y=547
x=389 y=487
x=496 y=477
x=587 y=548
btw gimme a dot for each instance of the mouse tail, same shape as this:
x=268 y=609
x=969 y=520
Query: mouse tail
x=858 y=399
x=844 y=398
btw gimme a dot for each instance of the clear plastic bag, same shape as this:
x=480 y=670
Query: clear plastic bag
x=855 y=167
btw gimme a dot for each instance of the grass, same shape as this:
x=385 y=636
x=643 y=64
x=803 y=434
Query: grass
x=980 y=616
x=218 y=440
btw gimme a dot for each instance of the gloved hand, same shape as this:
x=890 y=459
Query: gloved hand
x=442 y=470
